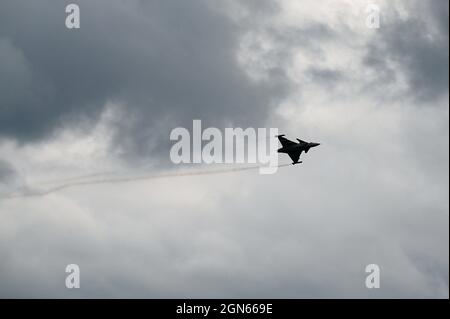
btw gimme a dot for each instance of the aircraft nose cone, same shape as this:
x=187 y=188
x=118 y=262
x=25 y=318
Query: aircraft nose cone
x=315 y=144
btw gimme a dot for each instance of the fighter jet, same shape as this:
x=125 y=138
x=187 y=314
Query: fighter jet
x=294 y=149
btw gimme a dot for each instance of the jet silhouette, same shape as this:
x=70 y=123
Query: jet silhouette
x=294 y=150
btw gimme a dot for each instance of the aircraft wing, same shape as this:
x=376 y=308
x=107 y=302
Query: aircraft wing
x=294 y=155
x=284 y=141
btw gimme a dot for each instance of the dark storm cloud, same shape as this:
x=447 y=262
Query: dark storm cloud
x=161 y=61
x=168 y=62
x=417 y=45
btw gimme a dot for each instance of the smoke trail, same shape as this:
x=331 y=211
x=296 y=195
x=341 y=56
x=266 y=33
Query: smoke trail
x=71 y=182
x=108 y=177
x=88 y=176
x=76 y=178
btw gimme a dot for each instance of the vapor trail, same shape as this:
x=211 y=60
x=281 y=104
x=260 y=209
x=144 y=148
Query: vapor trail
x=75 y=182
x=112 y=173
x=76 y=178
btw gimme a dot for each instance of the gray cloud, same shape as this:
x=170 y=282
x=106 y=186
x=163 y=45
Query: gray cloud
x=417 y=45
x=324 y=76
x=159 y=60
x=6 y=171
x=9 y=177
x=376 y=191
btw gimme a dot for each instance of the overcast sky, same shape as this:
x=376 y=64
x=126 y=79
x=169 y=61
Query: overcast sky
x=104 y=98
